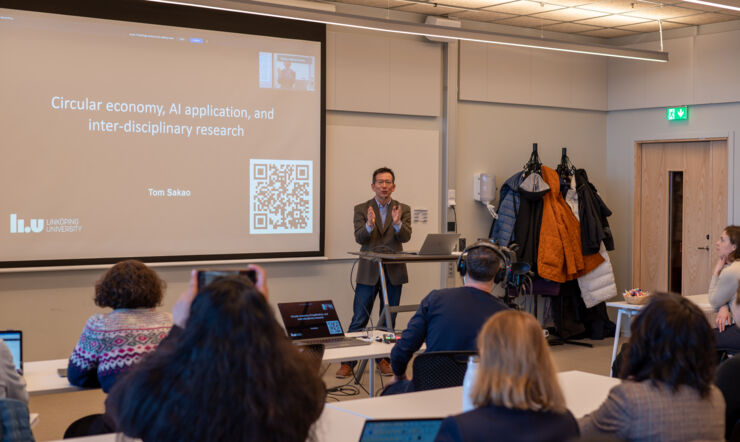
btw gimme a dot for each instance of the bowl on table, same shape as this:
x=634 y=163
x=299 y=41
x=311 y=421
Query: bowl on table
x=636 y=296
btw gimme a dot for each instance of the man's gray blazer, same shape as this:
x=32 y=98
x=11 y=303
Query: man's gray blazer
x=383 y=239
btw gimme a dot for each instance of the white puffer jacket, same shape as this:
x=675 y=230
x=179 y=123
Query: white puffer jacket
x=597 y=285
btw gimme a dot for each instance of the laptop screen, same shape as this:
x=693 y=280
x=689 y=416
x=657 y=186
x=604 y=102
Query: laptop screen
x=308 y=320
x=389 y=430
x=13 y=340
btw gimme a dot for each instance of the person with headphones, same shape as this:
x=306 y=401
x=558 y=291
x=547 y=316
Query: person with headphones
x=450 y=319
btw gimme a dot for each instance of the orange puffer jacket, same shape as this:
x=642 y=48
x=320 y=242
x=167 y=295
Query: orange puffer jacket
x=559 y=254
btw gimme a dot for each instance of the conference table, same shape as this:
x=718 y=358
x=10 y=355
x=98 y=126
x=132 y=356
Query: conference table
x=42 y=376
x=630 y=310
x=343 y=421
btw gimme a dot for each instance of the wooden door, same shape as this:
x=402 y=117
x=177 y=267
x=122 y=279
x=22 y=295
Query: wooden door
x=691 y=177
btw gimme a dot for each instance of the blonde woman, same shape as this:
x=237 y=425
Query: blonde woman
x=516 y=390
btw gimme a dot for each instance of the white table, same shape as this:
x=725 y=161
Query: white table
x=630 y=310
x=42 y=377
x=342 y=421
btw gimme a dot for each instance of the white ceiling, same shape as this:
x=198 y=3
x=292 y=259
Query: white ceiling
x=601 y=18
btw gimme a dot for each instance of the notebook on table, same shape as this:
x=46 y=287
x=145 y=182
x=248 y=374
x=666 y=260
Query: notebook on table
x=390 y=430
x=14 y=340
x=315 y=322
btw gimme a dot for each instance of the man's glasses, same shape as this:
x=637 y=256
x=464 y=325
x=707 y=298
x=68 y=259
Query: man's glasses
x=383 y=182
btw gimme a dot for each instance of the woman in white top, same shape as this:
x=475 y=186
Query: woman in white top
x=723 y=289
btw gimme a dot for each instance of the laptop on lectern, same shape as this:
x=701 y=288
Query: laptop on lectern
x=438 y=244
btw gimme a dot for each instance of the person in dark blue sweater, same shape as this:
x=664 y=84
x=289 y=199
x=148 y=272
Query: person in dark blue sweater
x=516 y=390
x=450 y=319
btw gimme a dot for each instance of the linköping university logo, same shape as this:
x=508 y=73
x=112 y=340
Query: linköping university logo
x=19 y=225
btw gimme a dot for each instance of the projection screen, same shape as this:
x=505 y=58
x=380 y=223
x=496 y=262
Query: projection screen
x=185 y=134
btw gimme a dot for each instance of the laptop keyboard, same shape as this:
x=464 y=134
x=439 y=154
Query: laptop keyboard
x=341 y=341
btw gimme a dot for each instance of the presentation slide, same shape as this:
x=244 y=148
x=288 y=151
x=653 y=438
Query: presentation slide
x=124 y=139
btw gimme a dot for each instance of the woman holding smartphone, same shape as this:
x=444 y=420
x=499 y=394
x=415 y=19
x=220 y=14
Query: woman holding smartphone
x=226 y=372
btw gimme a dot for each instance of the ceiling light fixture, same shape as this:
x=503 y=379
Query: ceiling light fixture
x=408 y=28
x=716 y=5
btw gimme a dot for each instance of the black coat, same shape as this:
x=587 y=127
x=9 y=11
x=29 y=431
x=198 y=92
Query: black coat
x=529 y=221
x=592 y=214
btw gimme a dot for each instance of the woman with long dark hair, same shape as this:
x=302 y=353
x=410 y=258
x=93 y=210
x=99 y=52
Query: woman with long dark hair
x=667 y=392
x=229 y=374
x=723 y=289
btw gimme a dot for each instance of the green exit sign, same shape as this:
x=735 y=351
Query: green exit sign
x=677 y=113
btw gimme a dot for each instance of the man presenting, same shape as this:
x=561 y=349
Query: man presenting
x=381 y=225
x=450 y=319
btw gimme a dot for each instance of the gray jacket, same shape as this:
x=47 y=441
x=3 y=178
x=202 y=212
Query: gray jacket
x=12 y=385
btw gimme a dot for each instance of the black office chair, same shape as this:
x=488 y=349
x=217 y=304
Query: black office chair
x=440 y=369
x=315 y=353
x=728 y=381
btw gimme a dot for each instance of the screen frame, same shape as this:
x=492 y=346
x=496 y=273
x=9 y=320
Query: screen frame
x=19 y=334
x=141 y=11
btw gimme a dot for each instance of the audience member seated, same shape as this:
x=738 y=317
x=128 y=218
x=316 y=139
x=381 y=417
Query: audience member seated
x=667 y=392
x=723 y=290
x=112 y=343
x=229 y=375
x=516 y=390
x=12 y=385
x=728 y=381
x=450 y=319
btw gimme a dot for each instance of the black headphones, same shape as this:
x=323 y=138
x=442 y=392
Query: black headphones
x=462 y=266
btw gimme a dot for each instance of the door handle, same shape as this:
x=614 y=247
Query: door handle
x=703 y=248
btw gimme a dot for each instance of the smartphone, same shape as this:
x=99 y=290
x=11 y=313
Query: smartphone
x=206 y=276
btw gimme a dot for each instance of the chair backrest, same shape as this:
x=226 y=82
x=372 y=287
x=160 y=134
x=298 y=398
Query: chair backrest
x=728 y=381
x=440 y=369
x=15 y=425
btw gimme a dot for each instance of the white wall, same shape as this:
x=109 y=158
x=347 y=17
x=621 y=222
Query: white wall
x=702 y=69
x=626 y=127
x=497 y=138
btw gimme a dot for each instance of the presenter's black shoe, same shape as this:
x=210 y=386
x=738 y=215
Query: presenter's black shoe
x=384 y=367
x=345 y=371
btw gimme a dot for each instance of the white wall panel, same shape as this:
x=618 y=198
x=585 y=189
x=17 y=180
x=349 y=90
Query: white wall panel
x=473 y=77
x=588 y=82
x=415 y=78
x=375 y=72
x=551 y=73
x=717 y=68
x=362 y=66
x=508 y=75
x=532 y=77
x=702 y=69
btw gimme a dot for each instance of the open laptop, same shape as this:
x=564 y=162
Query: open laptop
x=389 y=430
x=437 y=244
x=14 y=341
x=315 y=322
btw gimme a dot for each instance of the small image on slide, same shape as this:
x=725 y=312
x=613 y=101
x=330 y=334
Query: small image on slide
x=287 y=71
x=281 y=196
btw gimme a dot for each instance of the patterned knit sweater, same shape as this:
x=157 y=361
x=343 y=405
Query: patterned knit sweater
x=111 y=343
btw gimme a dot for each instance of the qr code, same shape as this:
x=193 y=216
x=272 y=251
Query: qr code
x=334 y=327
x=281 y=196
